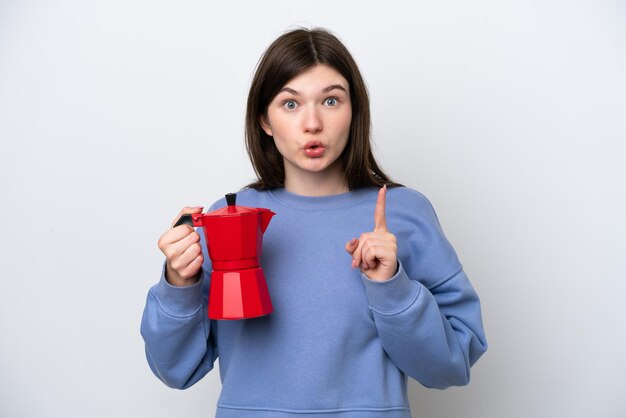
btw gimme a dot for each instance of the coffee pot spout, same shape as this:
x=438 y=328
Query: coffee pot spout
x=266 y=217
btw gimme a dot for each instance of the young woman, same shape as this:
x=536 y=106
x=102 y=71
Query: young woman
x=365 y=287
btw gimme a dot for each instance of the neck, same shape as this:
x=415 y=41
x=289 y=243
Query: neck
x=326 y=183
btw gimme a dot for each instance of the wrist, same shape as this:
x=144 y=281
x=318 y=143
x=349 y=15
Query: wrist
x=175 y=279
x=178 y=301
x=393 y=295
x=384 y=276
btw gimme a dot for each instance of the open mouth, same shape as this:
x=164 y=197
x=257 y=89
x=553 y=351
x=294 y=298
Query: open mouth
x=313 y=145
x=314 y=149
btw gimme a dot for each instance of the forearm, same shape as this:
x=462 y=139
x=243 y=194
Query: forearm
x=432 y=335
x=177 y=335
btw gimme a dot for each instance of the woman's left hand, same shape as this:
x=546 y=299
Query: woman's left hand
x=376 y=253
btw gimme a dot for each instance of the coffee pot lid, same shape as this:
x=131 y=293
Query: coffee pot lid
x=232 y=209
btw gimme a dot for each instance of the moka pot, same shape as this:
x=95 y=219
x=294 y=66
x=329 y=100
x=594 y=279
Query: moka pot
x=234 y=237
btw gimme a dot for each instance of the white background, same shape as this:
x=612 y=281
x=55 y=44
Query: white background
x=509 y=115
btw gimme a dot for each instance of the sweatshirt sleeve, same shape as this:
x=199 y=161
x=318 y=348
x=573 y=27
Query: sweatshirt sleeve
x=428 y=315
x=179 y=343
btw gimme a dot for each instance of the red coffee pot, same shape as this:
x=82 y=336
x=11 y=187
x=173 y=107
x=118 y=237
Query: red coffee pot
x=234 y=237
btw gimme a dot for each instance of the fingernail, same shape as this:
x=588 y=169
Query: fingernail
x=353 y=264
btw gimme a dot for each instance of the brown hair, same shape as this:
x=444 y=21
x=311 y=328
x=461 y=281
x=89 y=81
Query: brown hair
x=291 y=54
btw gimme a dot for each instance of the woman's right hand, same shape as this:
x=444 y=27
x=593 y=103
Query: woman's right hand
x=181 y=246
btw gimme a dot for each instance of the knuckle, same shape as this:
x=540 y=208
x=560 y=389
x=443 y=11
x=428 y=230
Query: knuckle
x=175 y=264
x=186 y=228
x=186 y=235
x=168 y=252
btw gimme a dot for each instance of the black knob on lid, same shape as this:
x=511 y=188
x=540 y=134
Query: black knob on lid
x=231 y=198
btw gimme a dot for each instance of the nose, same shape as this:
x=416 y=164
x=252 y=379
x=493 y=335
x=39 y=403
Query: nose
x=312 y=121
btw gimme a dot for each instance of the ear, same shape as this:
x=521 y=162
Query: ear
x=265 y=125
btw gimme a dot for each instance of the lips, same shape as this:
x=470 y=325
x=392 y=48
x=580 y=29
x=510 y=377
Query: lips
x=314 y=149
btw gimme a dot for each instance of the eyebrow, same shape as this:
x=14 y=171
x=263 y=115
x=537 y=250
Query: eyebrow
x=326 y=90
x=333 y=87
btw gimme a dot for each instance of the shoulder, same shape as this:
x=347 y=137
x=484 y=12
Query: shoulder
x=404 y=192
x=422 y=244
x=409 y=199
x=407 y=206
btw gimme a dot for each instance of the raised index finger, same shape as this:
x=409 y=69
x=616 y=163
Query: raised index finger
x=380 y=221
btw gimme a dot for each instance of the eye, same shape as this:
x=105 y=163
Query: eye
x=331 y=101
x=290 y=104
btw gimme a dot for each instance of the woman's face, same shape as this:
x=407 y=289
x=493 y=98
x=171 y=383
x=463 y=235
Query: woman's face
x=309 y=120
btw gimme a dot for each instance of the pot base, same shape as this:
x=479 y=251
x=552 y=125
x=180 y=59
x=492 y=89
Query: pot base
x=239 y=294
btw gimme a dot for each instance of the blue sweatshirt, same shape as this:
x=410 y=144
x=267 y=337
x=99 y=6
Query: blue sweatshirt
x=338 y=345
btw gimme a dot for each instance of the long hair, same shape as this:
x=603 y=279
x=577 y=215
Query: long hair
x=288 y=56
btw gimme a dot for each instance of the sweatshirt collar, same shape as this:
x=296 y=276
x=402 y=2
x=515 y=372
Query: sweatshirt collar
x=313 y=203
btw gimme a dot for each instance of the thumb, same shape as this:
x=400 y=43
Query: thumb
x=352 y=245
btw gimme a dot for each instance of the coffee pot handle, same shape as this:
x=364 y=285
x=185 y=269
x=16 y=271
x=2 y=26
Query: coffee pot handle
x=185 y=219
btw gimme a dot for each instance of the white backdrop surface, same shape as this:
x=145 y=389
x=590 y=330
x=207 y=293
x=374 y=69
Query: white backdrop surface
x=510 y=116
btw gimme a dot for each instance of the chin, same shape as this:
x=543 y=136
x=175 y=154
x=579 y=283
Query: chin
x=316 y=166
